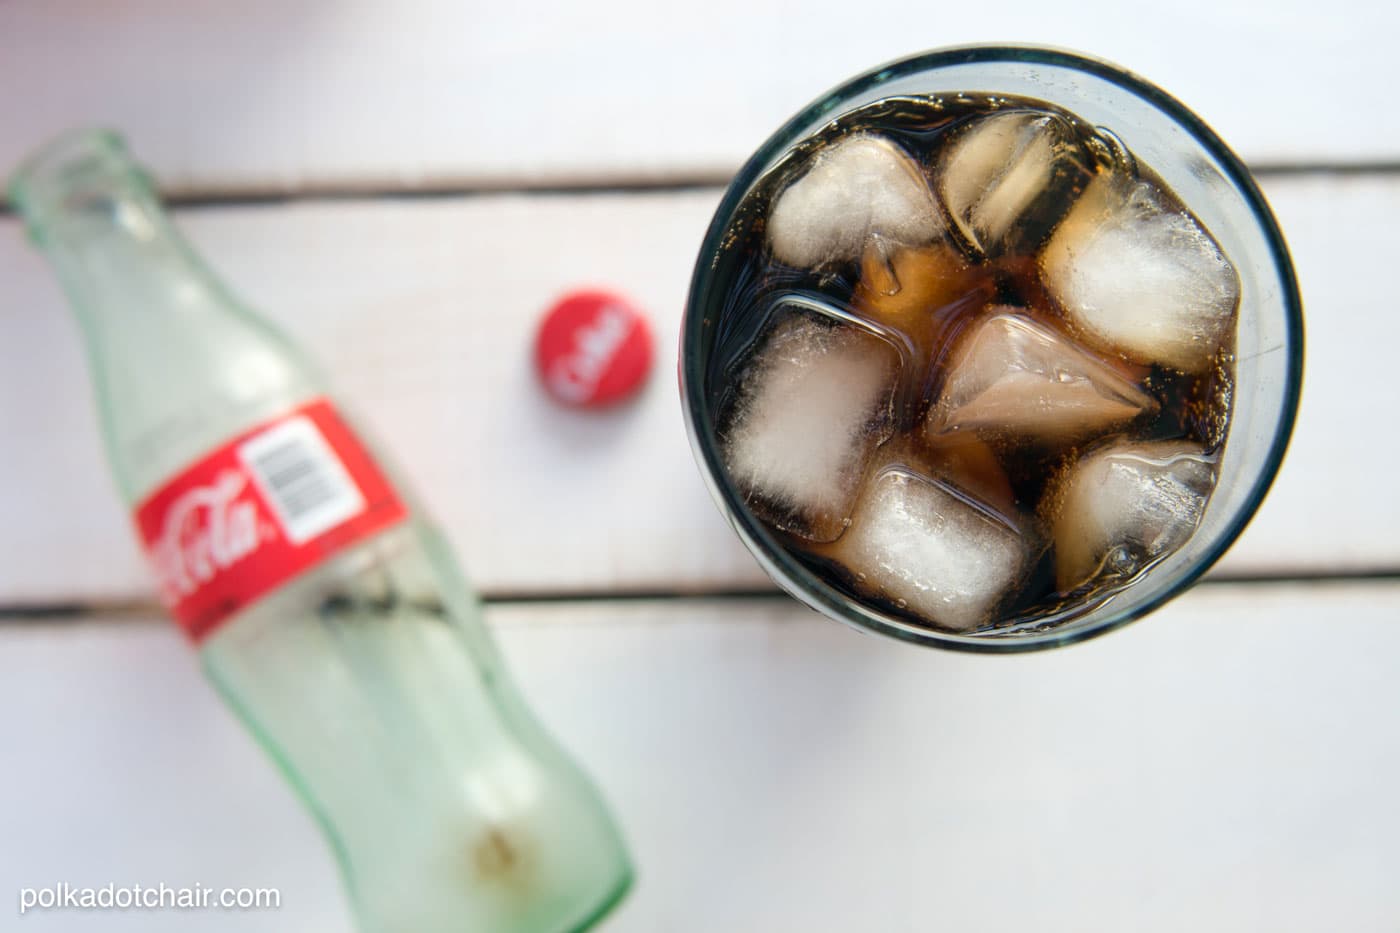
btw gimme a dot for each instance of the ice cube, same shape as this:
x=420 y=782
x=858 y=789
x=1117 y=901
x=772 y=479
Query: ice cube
x=1011 y=377
x=1004 y=178
x=861 y=187
x=927 y=547
x=1140 y=276
x=1125 y=505
x=904 y=286
x=814 y=402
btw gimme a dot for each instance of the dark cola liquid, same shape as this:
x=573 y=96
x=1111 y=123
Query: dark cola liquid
x=1190 y=406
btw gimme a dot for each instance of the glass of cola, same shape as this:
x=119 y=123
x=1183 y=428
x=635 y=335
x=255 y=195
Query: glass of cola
x=992 y=348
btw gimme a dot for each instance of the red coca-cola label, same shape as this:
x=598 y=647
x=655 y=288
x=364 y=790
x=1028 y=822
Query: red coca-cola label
x=274 y=501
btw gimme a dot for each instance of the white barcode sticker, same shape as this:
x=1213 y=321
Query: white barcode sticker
x=303 y=480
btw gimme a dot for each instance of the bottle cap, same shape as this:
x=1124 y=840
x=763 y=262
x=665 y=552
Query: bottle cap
x=593 y=349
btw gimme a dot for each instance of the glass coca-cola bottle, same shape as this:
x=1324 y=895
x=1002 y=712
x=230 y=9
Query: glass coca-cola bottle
x=326 y=609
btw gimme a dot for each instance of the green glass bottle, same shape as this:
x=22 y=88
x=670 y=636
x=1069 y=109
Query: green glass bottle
x=326 y=609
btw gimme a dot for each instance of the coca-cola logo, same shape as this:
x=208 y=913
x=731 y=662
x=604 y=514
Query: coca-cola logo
x=575 y=376
x=593 y=348
x=204 y=532
x=272 y=502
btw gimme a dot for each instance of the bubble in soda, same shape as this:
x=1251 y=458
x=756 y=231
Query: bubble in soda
x=974 y=362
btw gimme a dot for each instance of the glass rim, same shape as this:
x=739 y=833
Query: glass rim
x=794 y=577
x=28 y=188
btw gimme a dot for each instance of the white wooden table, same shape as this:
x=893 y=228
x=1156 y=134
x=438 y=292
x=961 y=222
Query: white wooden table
x=1229 y=764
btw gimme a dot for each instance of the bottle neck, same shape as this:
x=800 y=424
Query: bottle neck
x=94 y=214
x=177 y=363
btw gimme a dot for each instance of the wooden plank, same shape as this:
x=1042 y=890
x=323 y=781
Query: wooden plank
x=424 y=311
x=1228 y=764
x=260 y=95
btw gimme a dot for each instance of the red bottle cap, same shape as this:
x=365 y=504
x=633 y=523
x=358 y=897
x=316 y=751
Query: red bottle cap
x=593 y=349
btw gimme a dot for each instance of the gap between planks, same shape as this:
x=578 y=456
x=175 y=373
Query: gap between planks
x=212 y=196
x=143 y=610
